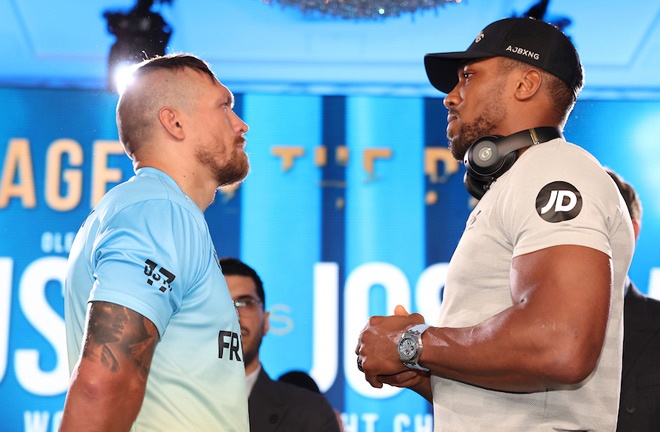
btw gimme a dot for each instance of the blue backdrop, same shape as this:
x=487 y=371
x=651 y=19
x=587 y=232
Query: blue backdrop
x=353 y=205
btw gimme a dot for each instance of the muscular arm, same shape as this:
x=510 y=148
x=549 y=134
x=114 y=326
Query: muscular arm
x=552 y=335
x=108 y=383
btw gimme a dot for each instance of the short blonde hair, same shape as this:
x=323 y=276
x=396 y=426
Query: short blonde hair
x=140 y=102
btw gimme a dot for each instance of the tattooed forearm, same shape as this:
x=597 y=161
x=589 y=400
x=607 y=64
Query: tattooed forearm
x=118 y=337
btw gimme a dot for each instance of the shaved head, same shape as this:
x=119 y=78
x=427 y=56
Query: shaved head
x=157 y=83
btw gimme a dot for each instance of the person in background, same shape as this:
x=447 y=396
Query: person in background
x=300 y=379
x=152 y=334
x=273 y=406
x=639 y=404
x=304 y=380
x=529 y=336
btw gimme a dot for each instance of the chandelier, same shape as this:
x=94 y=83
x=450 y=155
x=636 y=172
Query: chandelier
x=360 y=9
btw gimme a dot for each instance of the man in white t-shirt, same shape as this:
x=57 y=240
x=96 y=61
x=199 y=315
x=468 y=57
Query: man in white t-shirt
x=529 y=336
x=152 y=333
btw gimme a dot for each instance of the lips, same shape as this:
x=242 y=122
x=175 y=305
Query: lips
x=450 y=119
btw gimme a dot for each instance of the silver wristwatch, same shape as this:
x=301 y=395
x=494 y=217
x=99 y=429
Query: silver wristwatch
x=410 y=346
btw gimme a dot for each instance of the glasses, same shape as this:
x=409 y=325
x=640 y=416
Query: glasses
x=248 y=304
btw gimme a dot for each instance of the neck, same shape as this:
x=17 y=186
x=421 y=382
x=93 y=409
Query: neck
x=193 y=185
x=252 y=366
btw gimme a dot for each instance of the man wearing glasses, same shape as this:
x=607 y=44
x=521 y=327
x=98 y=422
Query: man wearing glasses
x=272 y=405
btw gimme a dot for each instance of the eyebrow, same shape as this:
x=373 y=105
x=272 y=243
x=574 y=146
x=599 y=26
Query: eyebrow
x=229 y=98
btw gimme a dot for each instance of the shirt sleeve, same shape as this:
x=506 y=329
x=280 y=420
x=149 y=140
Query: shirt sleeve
x=562 y=196
x=143 y=259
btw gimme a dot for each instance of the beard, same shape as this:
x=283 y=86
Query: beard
x=235 y=168
x=468 y=134
x=491 y=117
x=251 y=348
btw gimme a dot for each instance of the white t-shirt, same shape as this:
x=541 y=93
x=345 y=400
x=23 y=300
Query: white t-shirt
x=555 y=194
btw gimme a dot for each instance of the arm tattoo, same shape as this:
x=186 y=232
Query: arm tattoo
x=119 y=337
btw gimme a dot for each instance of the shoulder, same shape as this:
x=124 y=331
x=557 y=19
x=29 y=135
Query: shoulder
x=149 y=185
x=560 y=149
x=301 y=395
x=294 y=408
x=147 y=198
x=560 y=157
x=292 y=394
x=560 y=165
x=635 y=296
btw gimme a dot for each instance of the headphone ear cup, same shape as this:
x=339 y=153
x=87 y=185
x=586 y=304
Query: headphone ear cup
x=484 y=163
x=491 y=156
x=475 y=187
x=482 y=158
x=477 y=183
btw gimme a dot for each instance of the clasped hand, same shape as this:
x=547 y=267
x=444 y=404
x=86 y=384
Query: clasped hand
x=377 y=352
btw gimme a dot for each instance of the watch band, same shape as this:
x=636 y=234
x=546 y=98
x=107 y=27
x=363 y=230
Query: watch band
x=416 y=332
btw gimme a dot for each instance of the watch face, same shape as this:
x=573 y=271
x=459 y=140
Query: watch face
x=407 y=349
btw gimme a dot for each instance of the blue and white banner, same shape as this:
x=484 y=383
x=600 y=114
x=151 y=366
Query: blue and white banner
x=353 y=205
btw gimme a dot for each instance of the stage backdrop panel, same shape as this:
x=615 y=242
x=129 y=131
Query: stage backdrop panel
x=353 y=205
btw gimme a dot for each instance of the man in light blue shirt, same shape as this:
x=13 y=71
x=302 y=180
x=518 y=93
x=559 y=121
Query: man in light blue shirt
x=152 y=333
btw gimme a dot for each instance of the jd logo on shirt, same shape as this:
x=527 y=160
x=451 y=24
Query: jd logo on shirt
x=558 y=201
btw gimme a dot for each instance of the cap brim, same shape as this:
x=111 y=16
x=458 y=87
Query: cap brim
x=442 y=68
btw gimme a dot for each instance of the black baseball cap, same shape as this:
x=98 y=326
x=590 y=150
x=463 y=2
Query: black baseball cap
x=525 y=39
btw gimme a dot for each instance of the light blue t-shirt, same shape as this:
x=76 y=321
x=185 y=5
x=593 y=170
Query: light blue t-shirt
x=146 y=246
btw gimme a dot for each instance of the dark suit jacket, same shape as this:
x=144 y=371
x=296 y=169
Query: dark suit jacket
x=283 y=407
x=639 y=409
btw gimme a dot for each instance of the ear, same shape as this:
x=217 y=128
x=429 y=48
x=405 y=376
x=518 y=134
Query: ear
x=637 y=227
x=528 y=84
x=171 y=121
x=266 y=322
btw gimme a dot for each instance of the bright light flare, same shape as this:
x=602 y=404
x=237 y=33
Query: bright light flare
x=123 y=76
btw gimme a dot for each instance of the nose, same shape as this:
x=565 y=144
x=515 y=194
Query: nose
x=239 y=125
x=452 y=98
x=244 y=126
